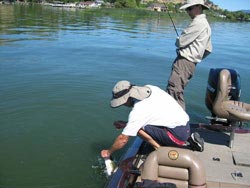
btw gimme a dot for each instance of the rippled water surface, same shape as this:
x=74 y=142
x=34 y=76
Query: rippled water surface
x=57 y=69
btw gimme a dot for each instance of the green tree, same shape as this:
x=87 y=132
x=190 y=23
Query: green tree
x=171 y=7
x=126 y=4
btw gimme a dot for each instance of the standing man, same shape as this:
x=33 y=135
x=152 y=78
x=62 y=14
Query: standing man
x=155 y=117
x=193 y=45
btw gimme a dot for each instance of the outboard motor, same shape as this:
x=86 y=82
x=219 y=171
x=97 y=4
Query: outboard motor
x=235 y=89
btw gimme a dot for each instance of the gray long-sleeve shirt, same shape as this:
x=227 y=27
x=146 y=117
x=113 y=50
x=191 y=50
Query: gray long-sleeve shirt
x=194 y=44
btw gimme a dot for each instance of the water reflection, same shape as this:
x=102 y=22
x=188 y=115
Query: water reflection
x=37 y=22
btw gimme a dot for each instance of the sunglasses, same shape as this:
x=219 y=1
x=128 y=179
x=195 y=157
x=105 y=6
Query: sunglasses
x=190 y=8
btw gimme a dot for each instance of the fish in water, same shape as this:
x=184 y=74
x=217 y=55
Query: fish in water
x=110 y=166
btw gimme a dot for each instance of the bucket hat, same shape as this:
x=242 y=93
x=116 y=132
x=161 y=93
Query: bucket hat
x=194 y=2
x=124 y=89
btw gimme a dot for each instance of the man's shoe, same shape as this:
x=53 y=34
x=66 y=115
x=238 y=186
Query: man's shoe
x=196 y=143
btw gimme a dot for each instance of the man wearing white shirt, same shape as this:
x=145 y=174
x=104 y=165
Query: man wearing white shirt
x=193 y=45
x=155 y=116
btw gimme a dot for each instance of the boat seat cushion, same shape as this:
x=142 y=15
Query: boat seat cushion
x=175 y=165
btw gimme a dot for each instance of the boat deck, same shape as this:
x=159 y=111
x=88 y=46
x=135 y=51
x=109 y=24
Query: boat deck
x=225 y=166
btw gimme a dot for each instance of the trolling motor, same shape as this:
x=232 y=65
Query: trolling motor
x=212 y=92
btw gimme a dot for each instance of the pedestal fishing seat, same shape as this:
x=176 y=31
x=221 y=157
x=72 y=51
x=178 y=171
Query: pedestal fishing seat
x=223 y=107
x=174 y=165
x=222 y=99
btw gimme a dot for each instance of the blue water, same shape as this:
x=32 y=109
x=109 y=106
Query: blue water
x=57 y=70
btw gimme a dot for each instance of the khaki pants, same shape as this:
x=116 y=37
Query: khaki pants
x=182 y=72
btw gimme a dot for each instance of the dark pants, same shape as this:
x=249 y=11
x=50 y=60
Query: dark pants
x=159 y=134
x=182 y=72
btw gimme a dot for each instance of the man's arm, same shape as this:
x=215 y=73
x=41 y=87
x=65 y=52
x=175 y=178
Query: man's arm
x=189 y=35
x=119 y=143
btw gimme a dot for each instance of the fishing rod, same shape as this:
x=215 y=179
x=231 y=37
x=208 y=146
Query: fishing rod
x=171 y=19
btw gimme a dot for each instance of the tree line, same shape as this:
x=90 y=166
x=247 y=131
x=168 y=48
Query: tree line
x=235 y=16
x=172 y=7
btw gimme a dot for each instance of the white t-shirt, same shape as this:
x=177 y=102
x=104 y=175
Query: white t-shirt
x=158 y=109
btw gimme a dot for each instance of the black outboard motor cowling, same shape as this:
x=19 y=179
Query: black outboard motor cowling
x=211 y=92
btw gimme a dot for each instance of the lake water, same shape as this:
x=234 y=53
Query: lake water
x=57 y=69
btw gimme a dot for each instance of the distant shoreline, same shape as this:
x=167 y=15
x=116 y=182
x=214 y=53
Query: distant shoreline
x=238 y=16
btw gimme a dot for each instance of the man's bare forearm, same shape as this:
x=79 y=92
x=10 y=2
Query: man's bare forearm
x=119 y=143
